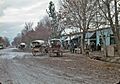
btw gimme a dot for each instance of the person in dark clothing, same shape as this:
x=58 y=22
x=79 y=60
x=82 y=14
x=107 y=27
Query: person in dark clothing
x=118 y=82
x=75 y=45
x=72 y=47
x=98 y=47
x=87 y=50
x=92 y=46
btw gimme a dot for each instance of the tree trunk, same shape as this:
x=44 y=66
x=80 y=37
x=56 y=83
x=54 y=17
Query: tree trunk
x=117 y=35
x=117 y=47
x=83 y=43
x=115 y=28
x=105 y=48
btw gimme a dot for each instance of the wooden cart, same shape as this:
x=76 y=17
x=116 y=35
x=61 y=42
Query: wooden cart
x=38 y=47
x=55 y=48
x=22 y=46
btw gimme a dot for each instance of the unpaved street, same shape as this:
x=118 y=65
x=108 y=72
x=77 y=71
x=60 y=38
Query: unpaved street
x=23 y=68
x=14 y=72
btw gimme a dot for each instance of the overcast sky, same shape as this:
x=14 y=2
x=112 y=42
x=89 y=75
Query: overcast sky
x=14 y=13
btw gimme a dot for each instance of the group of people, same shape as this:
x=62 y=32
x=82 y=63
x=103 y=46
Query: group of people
x=91 y=47
x=73 y=46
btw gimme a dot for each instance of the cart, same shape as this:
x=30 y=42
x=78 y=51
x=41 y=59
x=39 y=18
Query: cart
x=55 y=48
x=38 y=47
x=22 y=46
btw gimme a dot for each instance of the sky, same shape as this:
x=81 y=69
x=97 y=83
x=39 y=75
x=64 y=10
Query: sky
x=14 y=13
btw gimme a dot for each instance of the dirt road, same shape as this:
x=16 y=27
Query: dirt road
x=23 y=68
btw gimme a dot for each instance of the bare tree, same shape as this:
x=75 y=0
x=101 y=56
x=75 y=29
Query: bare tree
x=79 y=13
x=7 y=42
x=17 y=40
x=26 y=37
x=27 y=28
x=4 y=41
x=42 y=31
x=109 y=10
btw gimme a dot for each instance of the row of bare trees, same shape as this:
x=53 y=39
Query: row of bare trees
x=87 y=14
x=4 y=41
x=28 y=34
x=81 y=14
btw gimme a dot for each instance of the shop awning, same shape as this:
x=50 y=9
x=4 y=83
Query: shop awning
x=90 y=35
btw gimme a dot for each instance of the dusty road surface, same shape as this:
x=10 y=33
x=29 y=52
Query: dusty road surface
x=23 y=68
